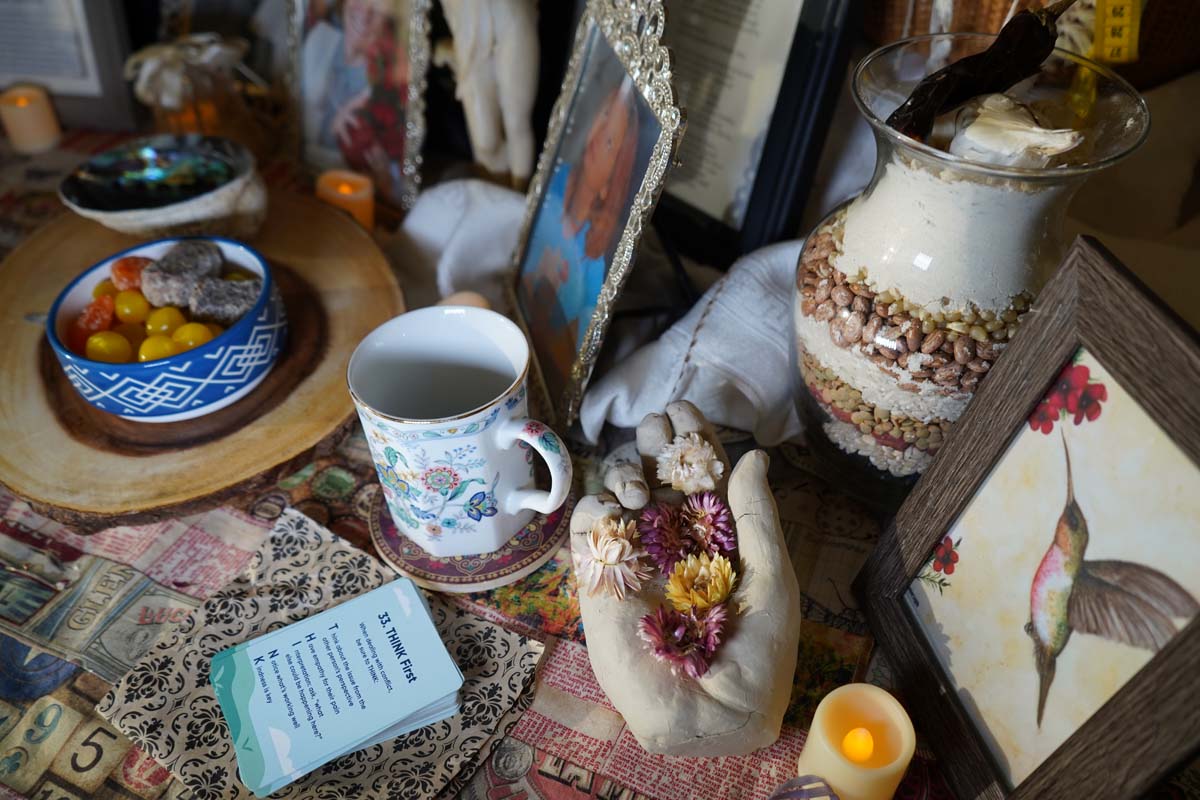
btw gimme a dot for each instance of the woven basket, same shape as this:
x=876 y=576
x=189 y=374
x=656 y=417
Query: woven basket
x=890 y=20
x=1167 y=43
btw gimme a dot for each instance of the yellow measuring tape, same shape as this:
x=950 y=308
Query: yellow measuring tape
x=1116 y=33
x=1115 y=41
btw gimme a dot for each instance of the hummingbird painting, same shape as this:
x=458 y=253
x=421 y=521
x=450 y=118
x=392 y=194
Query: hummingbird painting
x=1118 y=600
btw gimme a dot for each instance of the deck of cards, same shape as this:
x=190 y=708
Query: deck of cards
x=368 y=670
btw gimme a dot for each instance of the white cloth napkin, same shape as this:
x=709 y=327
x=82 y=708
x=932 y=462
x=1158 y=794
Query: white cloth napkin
x=729 y=356
x=459 y=236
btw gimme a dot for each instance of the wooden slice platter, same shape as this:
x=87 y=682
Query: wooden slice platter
x=92 y=470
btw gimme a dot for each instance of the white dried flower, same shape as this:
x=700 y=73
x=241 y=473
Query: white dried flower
x=690 y=465
x=613 y=561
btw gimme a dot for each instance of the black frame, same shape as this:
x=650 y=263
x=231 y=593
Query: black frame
x=812 y=79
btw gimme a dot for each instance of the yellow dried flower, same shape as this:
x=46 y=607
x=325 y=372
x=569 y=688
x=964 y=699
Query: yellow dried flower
x=700 y=582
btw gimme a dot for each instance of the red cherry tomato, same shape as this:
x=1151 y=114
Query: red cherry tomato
x=77 y=340
x=127 y=272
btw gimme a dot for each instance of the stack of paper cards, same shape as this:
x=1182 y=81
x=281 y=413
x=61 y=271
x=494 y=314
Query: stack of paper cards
x=369 y=670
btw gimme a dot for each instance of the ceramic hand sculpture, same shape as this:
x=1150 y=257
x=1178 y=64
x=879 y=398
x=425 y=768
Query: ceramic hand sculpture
x=496 y=66
x=737 y=704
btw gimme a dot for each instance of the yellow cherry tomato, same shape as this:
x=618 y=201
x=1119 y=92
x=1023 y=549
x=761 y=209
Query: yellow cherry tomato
x=237 y=275
x=131 y=306
x=109 y=347
x=157 y=346
x=134 y=333
x=104 y=287
x=214 y=328
x=192 y=334
x=164 y=320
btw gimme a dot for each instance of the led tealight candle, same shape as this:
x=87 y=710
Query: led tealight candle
x=350 y=191
x=29 y=119
x=860 y=743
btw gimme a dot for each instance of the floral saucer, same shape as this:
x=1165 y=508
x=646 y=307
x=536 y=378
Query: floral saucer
x=522 y=554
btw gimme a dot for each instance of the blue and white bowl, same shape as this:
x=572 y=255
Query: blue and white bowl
x=188 y=385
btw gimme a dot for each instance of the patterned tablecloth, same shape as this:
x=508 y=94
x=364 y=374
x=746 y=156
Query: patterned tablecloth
x=81 y=609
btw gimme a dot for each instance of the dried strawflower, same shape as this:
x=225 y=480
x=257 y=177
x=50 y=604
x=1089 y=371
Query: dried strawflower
x=663 y=535
x=613 y=560
x=709 y=524
x=690 y=465
x=700 y=582
x=687 y=642
x=617 y=528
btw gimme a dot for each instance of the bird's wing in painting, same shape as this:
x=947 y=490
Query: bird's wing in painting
x=1149 y=584
x=1129 y=603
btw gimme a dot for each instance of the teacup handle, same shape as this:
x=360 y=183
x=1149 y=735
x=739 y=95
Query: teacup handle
x=546 y=442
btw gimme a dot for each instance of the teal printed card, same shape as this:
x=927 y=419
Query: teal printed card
x=372 y=668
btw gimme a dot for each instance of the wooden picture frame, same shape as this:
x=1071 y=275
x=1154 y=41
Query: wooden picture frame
x=619 y=69
x=374 y=126
x=1147 y=727
x=774 y=185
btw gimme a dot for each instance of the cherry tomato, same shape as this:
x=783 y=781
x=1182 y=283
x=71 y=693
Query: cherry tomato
x=104 y=287
x=133 y=332
x=191 y=334
x=109 y=347
x=237 y=275
x=77 y=339
x=164 y=320
x=127 y=272
x=131 y=306
x=215 y=329
x=156 y=347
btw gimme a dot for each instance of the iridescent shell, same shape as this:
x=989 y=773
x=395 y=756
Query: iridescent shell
x=170 y=185
x=154 y=172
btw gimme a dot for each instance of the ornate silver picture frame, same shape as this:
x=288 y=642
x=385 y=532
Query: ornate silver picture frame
x=611 y=140
x=357 y=83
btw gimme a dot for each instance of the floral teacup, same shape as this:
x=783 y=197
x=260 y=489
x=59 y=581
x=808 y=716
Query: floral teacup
x=441 y=393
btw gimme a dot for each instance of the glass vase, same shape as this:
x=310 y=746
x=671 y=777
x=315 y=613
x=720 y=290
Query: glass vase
x=905 y=296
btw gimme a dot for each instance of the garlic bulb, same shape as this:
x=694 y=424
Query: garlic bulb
x=995 y=129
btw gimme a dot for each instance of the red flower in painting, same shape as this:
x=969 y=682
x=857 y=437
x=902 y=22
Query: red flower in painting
x=1087 y=405
x=945 y=557
x=1044 y=416
x=1068 y=386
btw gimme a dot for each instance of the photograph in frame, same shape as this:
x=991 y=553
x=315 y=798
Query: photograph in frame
x=600 y=173
x=768 y=76
x=357 y=84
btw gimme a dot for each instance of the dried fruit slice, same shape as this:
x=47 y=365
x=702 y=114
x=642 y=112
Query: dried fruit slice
x=96 y=317
x=127 y=272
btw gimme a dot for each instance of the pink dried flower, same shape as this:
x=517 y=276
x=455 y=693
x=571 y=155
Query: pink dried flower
x=685 y=642
x=664 y=536
x=707 y=521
